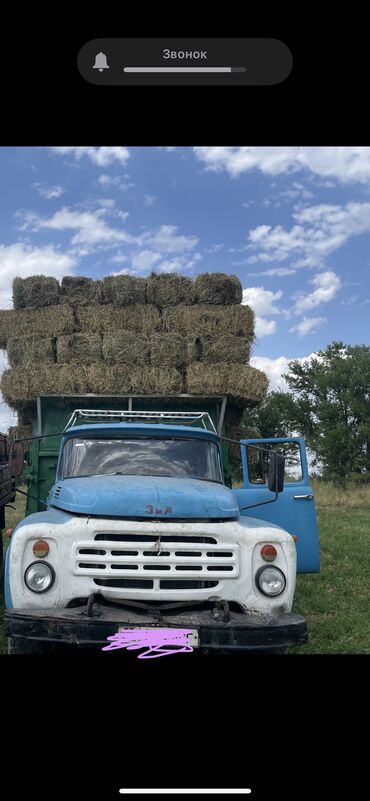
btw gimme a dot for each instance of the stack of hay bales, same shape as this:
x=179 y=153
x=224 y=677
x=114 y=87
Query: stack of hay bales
x=162 y=335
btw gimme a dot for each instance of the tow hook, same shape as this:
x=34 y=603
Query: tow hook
x=221 y=606
x=90 y=611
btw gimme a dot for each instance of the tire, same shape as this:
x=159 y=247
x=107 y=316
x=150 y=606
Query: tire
x=21 y=645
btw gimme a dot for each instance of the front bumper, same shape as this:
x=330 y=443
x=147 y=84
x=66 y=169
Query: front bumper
x=241 y=632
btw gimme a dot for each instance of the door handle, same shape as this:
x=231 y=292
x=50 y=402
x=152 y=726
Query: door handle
x=303 y=497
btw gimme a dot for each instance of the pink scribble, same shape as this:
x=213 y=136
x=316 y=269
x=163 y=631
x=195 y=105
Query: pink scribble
x=133 y=639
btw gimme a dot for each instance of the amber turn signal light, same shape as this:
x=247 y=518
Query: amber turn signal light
x=268 y=553
x=41 y=549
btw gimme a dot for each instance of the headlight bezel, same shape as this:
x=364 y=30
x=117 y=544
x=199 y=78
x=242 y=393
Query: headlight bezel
x=275 y=570
x=38 y=563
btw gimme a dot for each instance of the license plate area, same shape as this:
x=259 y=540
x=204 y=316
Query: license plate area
x=156 y=635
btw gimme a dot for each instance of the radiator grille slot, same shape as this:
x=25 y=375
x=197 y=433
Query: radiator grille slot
x=187 y=585
x=131 y=584
x=152 y=538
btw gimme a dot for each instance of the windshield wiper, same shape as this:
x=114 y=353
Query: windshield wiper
x=212 y=480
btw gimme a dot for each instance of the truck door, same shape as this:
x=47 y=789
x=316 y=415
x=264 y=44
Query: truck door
x=294 y=509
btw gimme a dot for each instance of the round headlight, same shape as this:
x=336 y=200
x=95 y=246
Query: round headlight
x=39 y=577
x=271 y=581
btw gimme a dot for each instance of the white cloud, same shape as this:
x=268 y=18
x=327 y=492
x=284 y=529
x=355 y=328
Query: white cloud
x=308 y=325
x=279 y=272
x=144 y=260
x=119 y=257
x=90 y=226
x=262 y=300
x=179 y=264
x=320 y=230
x=345 y=164
x=274 y=369
x=101 y=156
x=122 y=182
x=167 y=240
x=297 y=192
x=149 y=200
x=215 y=248
x=24 y=260
x=49 y=192
x=236 y=160
x=264 y=328
x=326 y=285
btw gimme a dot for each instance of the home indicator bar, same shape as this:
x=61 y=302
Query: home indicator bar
x=184 y=62
x=185 y=791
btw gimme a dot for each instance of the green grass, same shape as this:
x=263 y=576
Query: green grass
x=335 y=602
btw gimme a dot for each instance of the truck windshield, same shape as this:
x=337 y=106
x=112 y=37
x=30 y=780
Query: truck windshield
x=143 y=456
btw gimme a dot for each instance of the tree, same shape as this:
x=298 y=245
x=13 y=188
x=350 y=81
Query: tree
x=274 y=418
x=328 y=404
x=331 y=395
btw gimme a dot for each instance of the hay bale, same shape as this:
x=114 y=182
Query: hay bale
x=240 y=382
x=109 y=318
x=123 y=380
x=205 y=321
x=35 y=291
x=124 y=290
x=153 y=380
x=83 y=348
x=194 y=348
x=31 y=350
x=218 y=288
x=24 y=384
x=126 y=347
x=98 y=378
x=50 y=321
x=168 y=350
x=21 y=432
x=79 y=290
x=225 y=348
x=169 y=290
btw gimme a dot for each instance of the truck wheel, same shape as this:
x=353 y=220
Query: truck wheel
x=21 y=645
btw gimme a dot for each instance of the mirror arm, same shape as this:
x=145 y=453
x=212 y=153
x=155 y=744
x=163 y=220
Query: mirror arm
x=262 y=503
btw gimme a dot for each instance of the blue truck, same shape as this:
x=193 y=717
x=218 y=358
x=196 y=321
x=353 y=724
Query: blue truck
x=132 y=523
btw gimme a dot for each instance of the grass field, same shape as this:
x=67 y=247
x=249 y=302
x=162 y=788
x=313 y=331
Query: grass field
x=336 y=601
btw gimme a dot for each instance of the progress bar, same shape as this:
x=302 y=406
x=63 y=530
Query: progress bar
x=185 y=791
x=185 y=69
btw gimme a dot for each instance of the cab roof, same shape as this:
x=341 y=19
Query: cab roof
x=124 y=429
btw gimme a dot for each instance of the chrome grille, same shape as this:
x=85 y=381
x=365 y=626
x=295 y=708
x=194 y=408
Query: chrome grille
x=177 y=559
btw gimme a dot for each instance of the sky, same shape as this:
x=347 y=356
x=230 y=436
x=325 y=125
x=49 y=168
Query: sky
x=293 y=223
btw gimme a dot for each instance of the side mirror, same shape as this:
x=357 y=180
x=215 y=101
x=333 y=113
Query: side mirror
x=17 y=459
x=275 y=481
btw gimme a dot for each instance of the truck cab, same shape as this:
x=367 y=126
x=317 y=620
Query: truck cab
x=140 y=530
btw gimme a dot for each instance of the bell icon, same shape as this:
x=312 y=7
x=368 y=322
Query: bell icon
x=100 y=62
